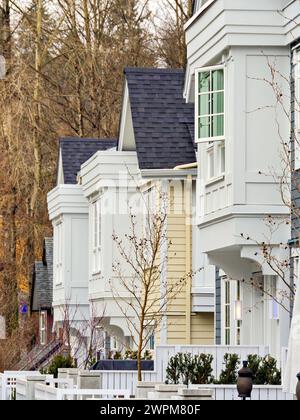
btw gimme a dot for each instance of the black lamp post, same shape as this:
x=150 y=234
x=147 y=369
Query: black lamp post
x=298 y=388
x=245 y=382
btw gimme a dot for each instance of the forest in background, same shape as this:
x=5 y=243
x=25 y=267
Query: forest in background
x=64 y=77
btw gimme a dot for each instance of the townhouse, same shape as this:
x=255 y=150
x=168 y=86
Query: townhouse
x=96 y=184
x=238 y=73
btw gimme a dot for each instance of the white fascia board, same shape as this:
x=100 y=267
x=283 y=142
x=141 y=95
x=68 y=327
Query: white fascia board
x=168 y=174
x=60 y=172
x=109 y=170
x=126 y=137
x=66 y=199
x=200 y=12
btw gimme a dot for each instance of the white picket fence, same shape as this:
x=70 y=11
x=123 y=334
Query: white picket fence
x=259 y=393
x=50 y=393
x=8 y=382
x=129 y=380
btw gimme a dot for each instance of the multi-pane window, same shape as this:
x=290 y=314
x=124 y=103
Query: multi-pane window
x=210 y=118
x=58 y=253
x=43 y=328
x=238 y=321
x=210 y=104
x=96 y=236
x=232 y=312
x=227 y=313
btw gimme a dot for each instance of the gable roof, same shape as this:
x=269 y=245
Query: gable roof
x=42 y=282
x=163 y=122
x=75 y=151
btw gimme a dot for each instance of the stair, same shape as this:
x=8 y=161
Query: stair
x=40 y=356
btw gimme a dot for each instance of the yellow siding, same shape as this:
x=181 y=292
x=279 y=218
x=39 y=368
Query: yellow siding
x=203 y=329
x=183 y=326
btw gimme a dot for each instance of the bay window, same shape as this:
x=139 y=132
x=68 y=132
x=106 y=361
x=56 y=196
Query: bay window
x=96 y=236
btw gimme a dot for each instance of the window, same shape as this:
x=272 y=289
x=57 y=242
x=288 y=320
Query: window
x=152 y=342
x=297 y=108
x=232 y=312
x=238 y=321
x=210 y=104
x=210 y=118
x=58 y=253
x=96 y=236
x=113 y=344
x=227 y=313
x=43 y=329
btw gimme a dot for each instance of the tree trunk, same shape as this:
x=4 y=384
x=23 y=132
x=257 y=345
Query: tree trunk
x=37 y=113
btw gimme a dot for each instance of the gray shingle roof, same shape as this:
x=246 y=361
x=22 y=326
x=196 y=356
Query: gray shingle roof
x=42 y=286
x=163 y=123
x=75 y=151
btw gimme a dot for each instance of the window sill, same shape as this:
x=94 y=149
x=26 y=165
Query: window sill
x=215 y=180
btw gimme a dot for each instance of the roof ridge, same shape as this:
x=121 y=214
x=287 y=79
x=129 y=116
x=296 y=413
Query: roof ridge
x=152 y=70
x=112 y=139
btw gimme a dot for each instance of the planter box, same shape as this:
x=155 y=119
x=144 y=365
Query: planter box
x=194 y=394
x=143 y=389
x=25 y=387
x=89 y=380
x=164 y=392
x=123 y=365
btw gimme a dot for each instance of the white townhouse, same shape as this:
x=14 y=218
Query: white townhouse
x=238 y=60
x=156 y=136
x=97 y=183
x=69 y=213
x=109 y=183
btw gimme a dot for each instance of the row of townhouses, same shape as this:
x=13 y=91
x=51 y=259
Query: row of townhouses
x=216 y=139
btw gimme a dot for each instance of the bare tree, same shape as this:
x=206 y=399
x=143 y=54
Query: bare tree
x=145 y=295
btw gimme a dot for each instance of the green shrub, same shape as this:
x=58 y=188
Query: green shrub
x=60 y=362
x=147 y=355
x=188 y=369
x=131 y=355
x=202 y=373
x=173 y=370
x=268 y=374
x=229 y=375
x=118 y=355
x=254 y=362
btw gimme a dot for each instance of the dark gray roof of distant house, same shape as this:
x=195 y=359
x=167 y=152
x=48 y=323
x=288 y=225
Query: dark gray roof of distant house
x=42 y=284
x=75 y=151
x=163 y=122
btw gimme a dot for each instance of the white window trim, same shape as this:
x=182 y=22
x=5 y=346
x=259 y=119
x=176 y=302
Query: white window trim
x=234 y=324
x=96 y=233
x=201 y=70
x=215 y=149
x=58 y=253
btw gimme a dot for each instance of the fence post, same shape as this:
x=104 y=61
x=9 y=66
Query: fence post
x=3 y=389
